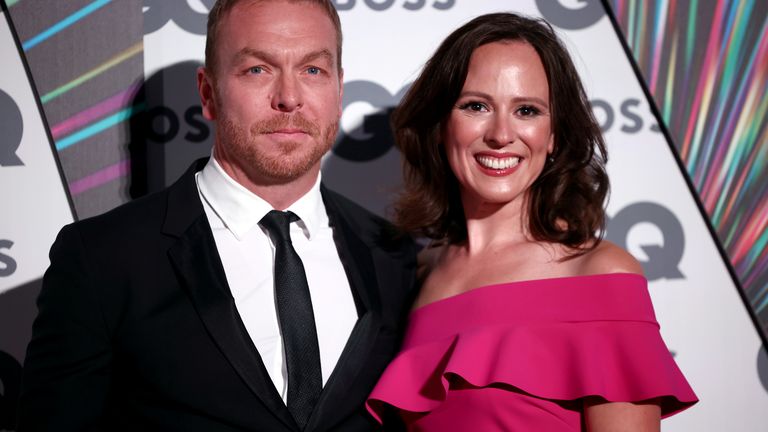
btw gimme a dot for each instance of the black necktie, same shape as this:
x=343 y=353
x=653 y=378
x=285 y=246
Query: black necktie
x=297 y=321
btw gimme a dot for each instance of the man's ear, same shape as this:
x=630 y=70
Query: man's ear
x=206 y=90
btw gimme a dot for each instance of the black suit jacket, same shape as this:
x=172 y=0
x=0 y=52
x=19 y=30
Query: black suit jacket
x=137 y=329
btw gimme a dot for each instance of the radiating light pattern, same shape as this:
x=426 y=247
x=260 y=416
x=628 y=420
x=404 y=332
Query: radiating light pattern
x=706 y=64
x=99 y=126
x=94 y=113
x=137 y=48
x=100 y=177
x=63 y=24
x=95 y=48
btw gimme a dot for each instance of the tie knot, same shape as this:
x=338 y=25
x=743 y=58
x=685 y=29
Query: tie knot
x=277 y=223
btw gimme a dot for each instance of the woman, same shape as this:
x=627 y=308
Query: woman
x=526 y=320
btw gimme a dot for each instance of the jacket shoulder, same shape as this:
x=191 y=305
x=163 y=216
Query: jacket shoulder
x=177 y=205
x=370 y=227
x=142 y=215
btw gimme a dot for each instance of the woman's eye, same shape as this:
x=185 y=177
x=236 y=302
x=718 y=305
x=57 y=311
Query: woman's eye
x=255 y=70
x=473 y=106
x=527 y=111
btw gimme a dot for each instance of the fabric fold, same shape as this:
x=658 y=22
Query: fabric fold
x=548 y=355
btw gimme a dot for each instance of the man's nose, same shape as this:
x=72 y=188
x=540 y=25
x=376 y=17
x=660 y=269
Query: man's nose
x=287 y=95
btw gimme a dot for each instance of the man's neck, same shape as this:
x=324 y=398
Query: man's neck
x=280 y=195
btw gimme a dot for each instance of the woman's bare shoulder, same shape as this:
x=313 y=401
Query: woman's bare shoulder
x=607 y=257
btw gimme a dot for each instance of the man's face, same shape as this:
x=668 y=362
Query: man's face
x=275 y=91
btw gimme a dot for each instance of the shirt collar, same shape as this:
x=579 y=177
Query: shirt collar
x=241 y=210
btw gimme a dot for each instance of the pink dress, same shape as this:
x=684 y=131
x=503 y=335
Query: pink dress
x=519 y=356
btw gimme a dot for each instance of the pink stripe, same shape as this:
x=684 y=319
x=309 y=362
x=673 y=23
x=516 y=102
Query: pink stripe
x=745 y=98
x=99 y=110
x=657 y=48
x=100 y=177
x=753 y=230
x=621 y=10
x=708 y=68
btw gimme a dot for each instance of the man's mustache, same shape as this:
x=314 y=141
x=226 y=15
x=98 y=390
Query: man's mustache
x=286 y=121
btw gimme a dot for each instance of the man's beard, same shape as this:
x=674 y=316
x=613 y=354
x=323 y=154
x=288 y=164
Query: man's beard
x=291 y=162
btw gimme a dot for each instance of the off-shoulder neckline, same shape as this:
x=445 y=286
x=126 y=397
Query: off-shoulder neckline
x=483 y=288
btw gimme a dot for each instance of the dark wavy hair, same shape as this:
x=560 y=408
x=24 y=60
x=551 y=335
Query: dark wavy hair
x=565 y=203
x=221 y=7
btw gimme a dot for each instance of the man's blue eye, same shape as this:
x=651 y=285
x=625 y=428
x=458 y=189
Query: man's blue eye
x=313 y=70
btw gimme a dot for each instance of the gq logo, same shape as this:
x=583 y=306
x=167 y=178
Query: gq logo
x=158 y=12
x=585 y=14
x=373 y=138
x=12 y=127
x=664 y=258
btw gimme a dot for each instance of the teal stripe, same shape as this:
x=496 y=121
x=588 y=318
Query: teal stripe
x=691 y=34
x=66 y=22
x=99 y=126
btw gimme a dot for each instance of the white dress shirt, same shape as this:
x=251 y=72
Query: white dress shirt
x=247 y=254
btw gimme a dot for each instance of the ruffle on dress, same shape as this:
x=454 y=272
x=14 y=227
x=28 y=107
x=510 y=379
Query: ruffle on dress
x=557 y=339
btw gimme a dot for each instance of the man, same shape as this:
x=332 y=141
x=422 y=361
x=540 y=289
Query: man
x=202 y=309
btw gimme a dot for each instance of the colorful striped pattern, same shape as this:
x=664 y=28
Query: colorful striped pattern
x=706 y=63
x=61 y=25
x=112 y=172
x=100 y=116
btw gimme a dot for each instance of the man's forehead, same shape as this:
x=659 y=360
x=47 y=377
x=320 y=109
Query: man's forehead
x=283 y=17
x=277 y=9
x=308 y=25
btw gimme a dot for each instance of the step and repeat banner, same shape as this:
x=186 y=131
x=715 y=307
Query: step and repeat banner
x=34 y=206
x=653 y=212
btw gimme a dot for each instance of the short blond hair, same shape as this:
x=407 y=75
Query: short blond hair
x=220 y=9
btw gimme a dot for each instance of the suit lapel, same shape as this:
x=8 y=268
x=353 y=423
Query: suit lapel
x=361 y=270
x=198 y=266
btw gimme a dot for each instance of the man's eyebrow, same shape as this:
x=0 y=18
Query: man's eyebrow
x=254 y=53
x=250 y=52
x=319 y=54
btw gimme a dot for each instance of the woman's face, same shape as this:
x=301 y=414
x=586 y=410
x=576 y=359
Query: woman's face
x=499 y=132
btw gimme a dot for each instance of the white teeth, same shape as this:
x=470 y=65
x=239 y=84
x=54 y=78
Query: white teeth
x=497 y=163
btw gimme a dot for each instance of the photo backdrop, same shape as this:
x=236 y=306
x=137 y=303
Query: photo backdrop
x=111 y=95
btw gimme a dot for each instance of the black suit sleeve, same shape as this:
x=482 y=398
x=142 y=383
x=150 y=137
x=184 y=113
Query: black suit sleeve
x=67 y=367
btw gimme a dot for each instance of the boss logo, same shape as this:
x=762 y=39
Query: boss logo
x=664 y=257
x=571 y=15
x=382 y=5
x=12 y=127
x=630 y=121
x=165 y=124
x=7 y=263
